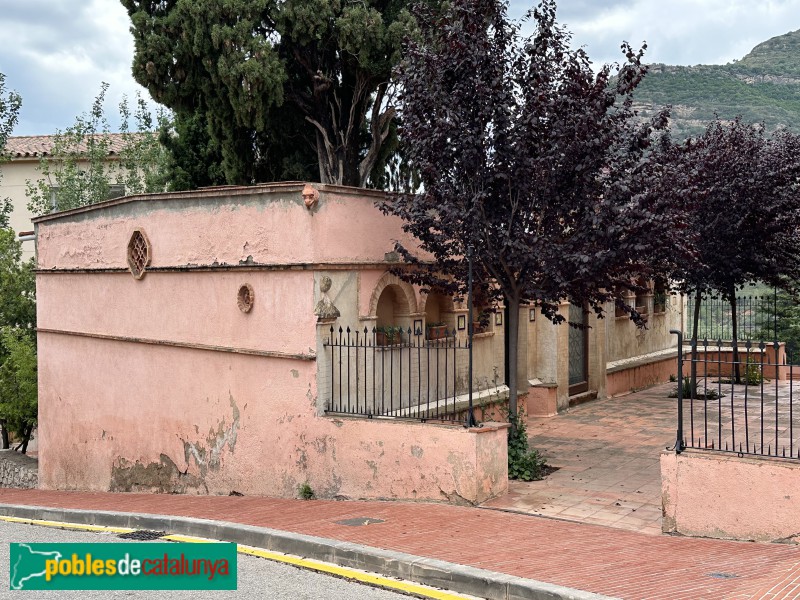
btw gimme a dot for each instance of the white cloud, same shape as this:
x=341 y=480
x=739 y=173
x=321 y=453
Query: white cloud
x=679 y=31
x=57 y=52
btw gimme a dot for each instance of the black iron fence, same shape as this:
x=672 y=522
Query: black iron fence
x=744 y=403
x=756 y=318
x=397 y=372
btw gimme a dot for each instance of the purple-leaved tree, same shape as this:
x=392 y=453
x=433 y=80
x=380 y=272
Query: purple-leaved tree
x=742 y=199
x=532 y=158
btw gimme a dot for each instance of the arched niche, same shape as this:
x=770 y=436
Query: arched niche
x=393 y=302
x=438 y=308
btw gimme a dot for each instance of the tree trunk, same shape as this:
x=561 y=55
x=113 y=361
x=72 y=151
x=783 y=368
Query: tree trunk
x=698 y=298
x=26 y=438
x=4 y=433
x=513 y=337
x=737 y=377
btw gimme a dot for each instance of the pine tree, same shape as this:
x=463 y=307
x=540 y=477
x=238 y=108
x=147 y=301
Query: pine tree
x=296 y=87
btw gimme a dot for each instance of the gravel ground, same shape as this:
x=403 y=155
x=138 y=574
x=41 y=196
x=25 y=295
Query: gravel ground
x=257 y=577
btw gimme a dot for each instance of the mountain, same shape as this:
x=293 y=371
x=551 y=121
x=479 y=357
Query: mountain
x=762 y=87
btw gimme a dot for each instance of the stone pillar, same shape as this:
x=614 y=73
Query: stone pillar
x=562 y=358
x=597 y=355
x=324 y=362
x=543 y=376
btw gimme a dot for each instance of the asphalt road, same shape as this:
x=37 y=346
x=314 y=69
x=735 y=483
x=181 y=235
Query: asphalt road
x=257 y=577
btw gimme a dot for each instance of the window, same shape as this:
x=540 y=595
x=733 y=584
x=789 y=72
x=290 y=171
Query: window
x=138 y=254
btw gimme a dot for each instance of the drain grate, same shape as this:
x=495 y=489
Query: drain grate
x=723 y=575
x=143 y=535
x=358 y=522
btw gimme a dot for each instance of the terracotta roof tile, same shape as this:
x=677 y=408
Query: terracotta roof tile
x=34 y=146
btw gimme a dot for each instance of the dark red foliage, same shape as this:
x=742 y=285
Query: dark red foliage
x=531 y=157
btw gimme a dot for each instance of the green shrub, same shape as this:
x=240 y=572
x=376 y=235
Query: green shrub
x=524 y=463
x=686 y=388
x=305 y=492
x=752 y=373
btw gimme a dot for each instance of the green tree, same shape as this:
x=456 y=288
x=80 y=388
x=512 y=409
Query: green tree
x=18 y=316
x=280 y=87
x=19 y=405
x=77 y=170
x=10 y=103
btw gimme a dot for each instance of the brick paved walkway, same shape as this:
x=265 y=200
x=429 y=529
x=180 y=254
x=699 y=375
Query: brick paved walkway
x=607 y=452
x=593 y=558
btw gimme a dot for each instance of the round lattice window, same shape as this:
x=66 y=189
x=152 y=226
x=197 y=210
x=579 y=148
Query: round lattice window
x=138 y=253
x=245 y=298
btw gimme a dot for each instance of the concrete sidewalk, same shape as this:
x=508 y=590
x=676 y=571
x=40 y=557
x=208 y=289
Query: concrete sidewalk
x=555 y=556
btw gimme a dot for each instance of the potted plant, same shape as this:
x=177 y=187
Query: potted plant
x=659 y=302
x=388 y=335
x=481 y=324
x=435 y=331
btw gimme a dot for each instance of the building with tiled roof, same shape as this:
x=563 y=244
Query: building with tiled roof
x=25 y=153
x=37 y=146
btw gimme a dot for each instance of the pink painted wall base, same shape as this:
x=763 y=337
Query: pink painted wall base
x=726 y=496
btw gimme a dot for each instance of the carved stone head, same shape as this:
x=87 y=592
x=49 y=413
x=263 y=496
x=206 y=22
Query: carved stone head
x=310 y=196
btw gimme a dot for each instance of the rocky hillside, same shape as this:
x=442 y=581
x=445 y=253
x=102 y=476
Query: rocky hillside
x=764 y=86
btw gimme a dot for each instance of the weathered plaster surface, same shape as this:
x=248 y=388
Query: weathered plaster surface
x=117 y=413
x=188 y=421
x=186 y=307
x=624 y=340
x=263 y=227
x=726 y=496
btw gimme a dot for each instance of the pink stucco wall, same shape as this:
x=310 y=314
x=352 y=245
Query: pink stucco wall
x=135 y=417
x=639 y=376
x=268 y=223
x=712 y=362
x=727 y=496
x=194 y=307
x=162 y=384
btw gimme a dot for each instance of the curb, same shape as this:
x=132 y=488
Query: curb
x=426 y=571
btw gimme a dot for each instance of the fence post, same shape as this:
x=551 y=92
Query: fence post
x=470 y=420
x=679 y=442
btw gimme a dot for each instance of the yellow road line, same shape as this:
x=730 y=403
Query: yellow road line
x=62 y=525
x=345 y=572
x=305 y=563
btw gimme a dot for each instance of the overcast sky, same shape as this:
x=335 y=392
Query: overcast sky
x=56 y=53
